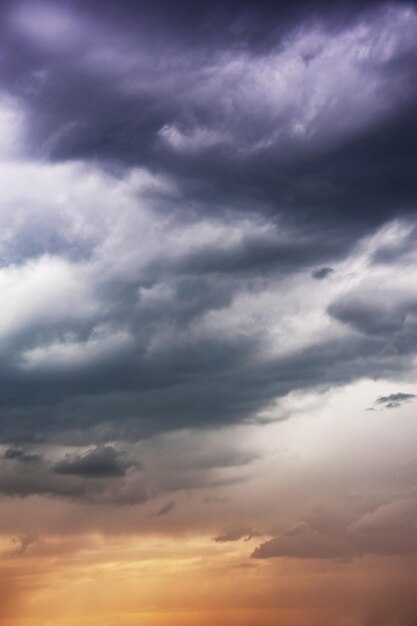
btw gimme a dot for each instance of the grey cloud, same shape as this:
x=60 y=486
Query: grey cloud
x=102 y=462
x=311 y=545
x=322 y=272
x=268 y=253
x=98 y=477
x=394 y=399
x=387 y=530
x=165 y=509
x=382 y=316
x=192 y=382
x=170 y=372
x=22 y=456
x=172 y=462
x=235 y=534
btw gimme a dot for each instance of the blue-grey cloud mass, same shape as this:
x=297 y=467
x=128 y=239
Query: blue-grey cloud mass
x=205 y=208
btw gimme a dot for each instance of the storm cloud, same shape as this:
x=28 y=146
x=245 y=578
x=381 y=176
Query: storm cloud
x=171 y=203
x=98 y=463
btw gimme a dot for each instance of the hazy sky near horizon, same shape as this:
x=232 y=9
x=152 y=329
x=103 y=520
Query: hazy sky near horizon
x=208 y=320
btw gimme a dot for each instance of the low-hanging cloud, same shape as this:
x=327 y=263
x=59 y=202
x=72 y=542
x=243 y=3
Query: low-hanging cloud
x=387 y=530
x=102 y=462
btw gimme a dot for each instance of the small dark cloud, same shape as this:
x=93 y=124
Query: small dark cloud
x=22 y=456
x=165 y=509
x=13 y=453
x=381 y=316
x=236 y=534
x=322 y=272
x=108 y=481
x=102 y=462
x=394 y=400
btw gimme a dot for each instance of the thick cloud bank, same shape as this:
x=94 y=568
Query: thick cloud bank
x=203 y=211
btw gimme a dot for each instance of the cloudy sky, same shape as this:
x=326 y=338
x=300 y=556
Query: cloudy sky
x=208 y=320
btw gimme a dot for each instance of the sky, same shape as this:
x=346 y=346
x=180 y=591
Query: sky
x=208 y=320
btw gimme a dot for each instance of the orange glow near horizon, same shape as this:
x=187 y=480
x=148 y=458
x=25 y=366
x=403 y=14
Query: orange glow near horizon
x=337 y=537
x=155 y=581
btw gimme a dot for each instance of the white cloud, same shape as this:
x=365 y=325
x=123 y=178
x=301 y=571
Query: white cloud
x=42 y=292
